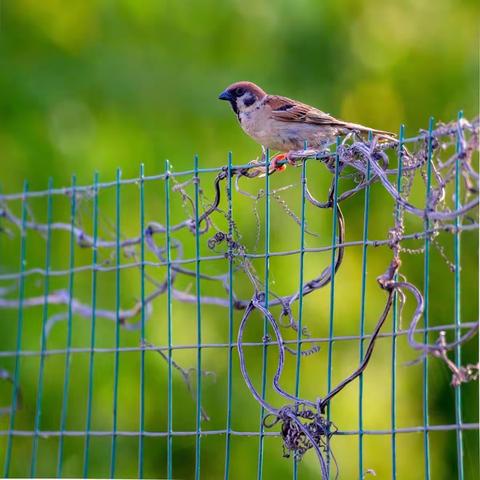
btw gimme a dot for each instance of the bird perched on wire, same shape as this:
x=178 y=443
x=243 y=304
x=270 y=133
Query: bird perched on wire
x=286 y=125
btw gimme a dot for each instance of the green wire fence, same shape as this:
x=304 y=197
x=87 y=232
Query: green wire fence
x=147 y=334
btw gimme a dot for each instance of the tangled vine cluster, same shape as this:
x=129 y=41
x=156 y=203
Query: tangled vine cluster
x=304 y=424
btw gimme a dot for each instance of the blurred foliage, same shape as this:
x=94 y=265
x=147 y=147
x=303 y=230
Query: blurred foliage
x=94 y=85
x=102 y=84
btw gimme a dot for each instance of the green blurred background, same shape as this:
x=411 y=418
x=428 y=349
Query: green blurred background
x=91 y=86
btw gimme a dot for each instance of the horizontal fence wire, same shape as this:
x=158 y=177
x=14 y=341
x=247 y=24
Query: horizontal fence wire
x=151 y=178
x=337 y=338
x=193 y=433
x=157 y=262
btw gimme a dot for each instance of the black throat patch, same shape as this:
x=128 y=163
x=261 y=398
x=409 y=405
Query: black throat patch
x=233 y=104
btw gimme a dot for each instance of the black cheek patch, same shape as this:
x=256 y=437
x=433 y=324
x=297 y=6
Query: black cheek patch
x=249 y=100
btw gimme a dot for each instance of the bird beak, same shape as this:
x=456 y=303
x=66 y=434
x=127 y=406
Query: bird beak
x=225 y=95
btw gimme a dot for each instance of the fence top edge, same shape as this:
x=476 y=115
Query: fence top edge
x=442 y=130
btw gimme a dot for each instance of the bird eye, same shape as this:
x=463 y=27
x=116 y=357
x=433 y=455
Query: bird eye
x=239 y=91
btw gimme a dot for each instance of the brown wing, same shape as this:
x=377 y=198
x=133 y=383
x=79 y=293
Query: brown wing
x=287 y=110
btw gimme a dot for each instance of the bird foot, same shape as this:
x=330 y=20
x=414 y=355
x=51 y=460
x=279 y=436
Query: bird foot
x=277 y=163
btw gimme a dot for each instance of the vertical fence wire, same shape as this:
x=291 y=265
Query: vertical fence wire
x=265 y=321
x=198 y=425
x=21 y=294
x=66 y=379
x=141 y=439
x=426 y=288
x=332 y=284
x=116 y=366
x=366 y=212
x=300 y=298
x=43 y=341
x=93 y=328
x=230 y=320
x=169 y=325
x=457 y=304
x=393 y=412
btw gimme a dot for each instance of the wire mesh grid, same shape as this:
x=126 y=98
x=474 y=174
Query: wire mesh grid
x=92 y=388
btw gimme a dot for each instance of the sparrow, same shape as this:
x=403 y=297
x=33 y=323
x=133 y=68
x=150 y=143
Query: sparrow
x=286 y=125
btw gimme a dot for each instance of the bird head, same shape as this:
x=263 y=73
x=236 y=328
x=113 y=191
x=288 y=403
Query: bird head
x=243 y=96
